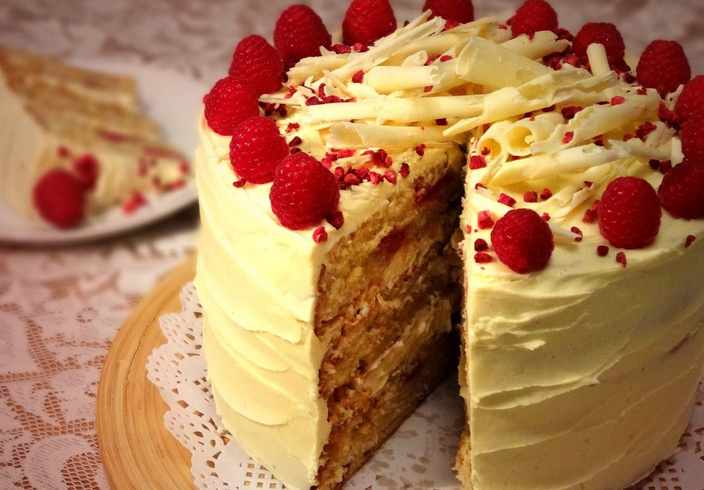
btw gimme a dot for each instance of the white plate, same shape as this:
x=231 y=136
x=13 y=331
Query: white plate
x=173 y=100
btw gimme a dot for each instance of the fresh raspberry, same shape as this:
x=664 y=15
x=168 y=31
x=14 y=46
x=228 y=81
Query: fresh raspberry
x=682 y=190
x=692 y=136
x=461 y=11
x=259 y=63
x=256 y=149
x=533 y=16
x=629 y=213
x=304 y=192
x=603 y=33
x=368 y=20
x=231 y=101
x=523 y=241
x=60 y=198
x=663 y=66
x=691 y=99
x=87 y=168
x=299 y=33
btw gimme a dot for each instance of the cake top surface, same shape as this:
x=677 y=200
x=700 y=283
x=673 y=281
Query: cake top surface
x=549 y=121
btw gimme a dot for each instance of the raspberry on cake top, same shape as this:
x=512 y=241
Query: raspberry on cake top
x=582 y=346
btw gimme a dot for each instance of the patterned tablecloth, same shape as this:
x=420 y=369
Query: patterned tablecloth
x=60 y=308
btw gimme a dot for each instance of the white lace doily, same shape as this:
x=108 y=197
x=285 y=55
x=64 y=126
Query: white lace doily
x=419 y=456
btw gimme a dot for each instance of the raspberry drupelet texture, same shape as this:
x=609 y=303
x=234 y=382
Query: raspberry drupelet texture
x=603 y=33
x=663 y=66
x=368 y=20
x=629 y=213
x=256 y=150
x=682 y=190
x=259 y=63
x=534 y=16
x=231 y=101
x=59 y=197
x=304 y=192
x=461 y=11
x=691 y=100
x=299 y=33
x=523 y=241
x=692 y=136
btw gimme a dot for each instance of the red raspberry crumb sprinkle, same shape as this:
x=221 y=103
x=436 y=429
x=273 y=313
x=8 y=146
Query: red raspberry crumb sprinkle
x=484 y=220
x=545 y=217
x=59 y=197
x=304 y=192
x=618 y=100
x=590 y=216
x=379 y=158
x=570 y=111
x=645 y=129
x=405 y=170
x=546 y=194
x=420 y=150
x=427 y=88
x=375 y=178
x=603 y=33
x=341 y=48
x=692 y=136
x=63 y=152
x=441 y=122
x=550 y=109
x=533 y=16
x=134 y=202
x=602 y=250
x=621 y=259
x=482 y=258
x=445 y=57
x=231 y=101
x=259 y=63
x=682 y=190
x=299 y=33
x=663 y=66
x=477 y=162
x=599 y=140
x=629 y=213
x=507 y=200
x=665 y=166
x=689 y=241
x=336 y=219
x=468 y=229
x=358 y=77
x=320 y=235
x=577 y=231
x=360 y=47
x=87 y=169
x=671 y=118
x=588 y=184
x=486 y=151
x=346 y=153
x=480 y=245
x=458 y=11
x=503 y=27
x=239 y=183
x=523 y=241
x=351 y=179
x=530 y=196
x=292 y=127
x=256 y=149
x=290 y=92
x=569 y=136
x=368 y=20
x=295 y=141
x=691 y=100
x=654 y=164
x=478 y=186
x=390 y=176
x=362 y=173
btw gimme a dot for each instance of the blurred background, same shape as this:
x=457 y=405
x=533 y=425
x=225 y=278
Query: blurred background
x=60 y=308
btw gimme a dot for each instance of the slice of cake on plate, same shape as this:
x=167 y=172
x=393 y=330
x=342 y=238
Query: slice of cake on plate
x=75 y=142
x=330 y=195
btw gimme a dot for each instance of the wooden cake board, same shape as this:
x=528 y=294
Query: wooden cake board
x=136 y=448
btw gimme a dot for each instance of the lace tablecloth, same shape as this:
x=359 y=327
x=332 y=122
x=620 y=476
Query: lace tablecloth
x=60 y=308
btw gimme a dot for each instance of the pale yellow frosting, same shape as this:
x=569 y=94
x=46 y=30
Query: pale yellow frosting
x=582 y=375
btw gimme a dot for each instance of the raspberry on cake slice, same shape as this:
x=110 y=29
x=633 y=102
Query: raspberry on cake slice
x=84 y=126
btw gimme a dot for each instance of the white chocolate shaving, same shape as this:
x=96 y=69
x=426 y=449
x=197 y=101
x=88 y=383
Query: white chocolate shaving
x=542 y=44
x=358 y=135
x=388 y=79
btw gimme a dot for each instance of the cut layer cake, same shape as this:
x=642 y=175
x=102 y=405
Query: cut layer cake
x=331 y=179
